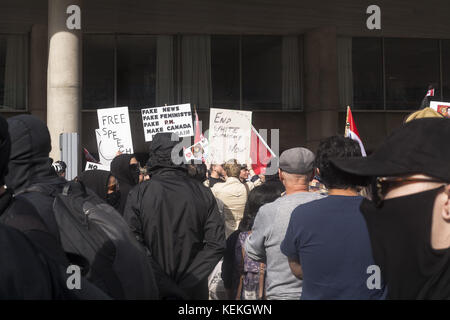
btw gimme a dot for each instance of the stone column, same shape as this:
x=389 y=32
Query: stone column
x=37 y=96
x=64 y=73
x=321 y=85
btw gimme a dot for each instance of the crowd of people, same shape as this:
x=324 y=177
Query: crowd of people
x=328 y=225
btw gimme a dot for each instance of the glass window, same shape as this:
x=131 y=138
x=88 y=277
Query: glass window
x=225 y=71
x=13 y=71
x=136 y=71
x=98 y=71
x=261 y=72
x=367 y=66
x=446 y=69
x=411 y=65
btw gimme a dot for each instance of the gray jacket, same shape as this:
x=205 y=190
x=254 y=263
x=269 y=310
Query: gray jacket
x=263 y=244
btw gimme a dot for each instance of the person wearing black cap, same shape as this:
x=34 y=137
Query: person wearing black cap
x=327 y=242
x=177 y=219
x=409 y=217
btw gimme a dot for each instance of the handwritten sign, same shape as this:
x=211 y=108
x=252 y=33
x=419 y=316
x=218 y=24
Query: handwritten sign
x=95 y=166
x=115 y=133
x=177 y=118
x=229 y=135
x=441 y=107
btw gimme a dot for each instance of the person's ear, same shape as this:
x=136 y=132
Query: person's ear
x=280 y=175
x=446 y=208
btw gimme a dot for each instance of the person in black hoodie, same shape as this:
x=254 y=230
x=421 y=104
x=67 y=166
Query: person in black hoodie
x=27 y=271
x=125 y=168
x=104 y=184
x=177 y=219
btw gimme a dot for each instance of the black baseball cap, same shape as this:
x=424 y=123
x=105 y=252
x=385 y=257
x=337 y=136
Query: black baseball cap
x=418 y=147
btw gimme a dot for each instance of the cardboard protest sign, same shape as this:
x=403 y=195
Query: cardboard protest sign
x=114 y=133
x=95 y=166
x=441 y=107
x=176 y=118
x=198 y=151
x=229 y=135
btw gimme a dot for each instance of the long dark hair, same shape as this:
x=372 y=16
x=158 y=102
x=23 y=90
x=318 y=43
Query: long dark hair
x=258 y=197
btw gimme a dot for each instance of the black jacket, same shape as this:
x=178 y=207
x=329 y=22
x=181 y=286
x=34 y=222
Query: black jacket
x=177 y=219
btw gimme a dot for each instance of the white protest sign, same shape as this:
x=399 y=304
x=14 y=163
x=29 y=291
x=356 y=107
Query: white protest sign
x=176 y=118
x=95 y=166
x=230 y=134
x=115 y=133
x=441 y=107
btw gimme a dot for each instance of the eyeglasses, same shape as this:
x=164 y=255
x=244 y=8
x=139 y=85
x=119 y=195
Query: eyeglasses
x=383 y=184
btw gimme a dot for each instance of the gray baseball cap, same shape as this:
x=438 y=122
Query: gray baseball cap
x=297 y=161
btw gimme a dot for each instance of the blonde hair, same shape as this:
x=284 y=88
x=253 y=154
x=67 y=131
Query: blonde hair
x=232 y=168
x=424 y=113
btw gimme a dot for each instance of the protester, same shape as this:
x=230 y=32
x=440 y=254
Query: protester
x=104 y=184
x=28 y=267
x=409 y=217
x=235 y=255
x=327 y=242
x=217 y=175
x=197 y=171
x=177 y=219
x=269 y=229
x=60 y=168
x=126 y=169
x=233 y=193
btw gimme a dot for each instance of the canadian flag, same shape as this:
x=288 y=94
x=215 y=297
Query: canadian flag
x=260 y=153
x=351 y=131
x=430 y=93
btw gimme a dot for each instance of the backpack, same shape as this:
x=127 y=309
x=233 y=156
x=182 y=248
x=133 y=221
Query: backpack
x=252 y=273
x=92 y=229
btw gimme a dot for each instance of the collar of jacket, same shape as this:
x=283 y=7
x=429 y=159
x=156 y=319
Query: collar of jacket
x=168 y=170
x=233 y=180
x=5 y=200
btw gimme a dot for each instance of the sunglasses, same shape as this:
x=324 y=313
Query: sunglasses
x=383 y=184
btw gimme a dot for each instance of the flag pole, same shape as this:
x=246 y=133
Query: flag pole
x=264 y=143
x=347 y=124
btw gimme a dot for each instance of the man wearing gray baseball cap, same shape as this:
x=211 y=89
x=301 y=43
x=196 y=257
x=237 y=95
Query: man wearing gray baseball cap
x=269 y=228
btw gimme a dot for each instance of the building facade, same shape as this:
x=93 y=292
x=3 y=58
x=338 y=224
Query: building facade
x=296 y=64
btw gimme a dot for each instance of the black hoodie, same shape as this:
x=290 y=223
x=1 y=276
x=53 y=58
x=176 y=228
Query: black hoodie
x=120 y=168
x=177 y=219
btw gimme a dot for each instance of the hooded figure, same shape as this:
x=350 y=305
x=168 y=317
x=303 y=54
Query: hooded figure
x=32 y=265
x=127 y=174
x=99 y=182
x=177 y=219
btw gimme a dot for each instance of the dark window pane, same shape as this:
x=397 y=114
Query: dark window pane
x=13 y=71
x=411 y=65
x=367 y=65
x=225 y=71
x=136 y=71
x=261 y=72
x=446 y=69
x=98 y=71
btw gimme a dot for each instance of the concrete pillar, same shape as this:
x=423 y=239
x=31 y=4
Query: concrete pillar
x=37 y=96
x=64 y=74
x=321 y=85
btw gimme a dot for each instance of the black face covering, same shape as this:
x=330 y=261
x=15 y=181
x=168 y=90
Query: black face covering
x=135 y=172
x=400 y=232
x=113 y=199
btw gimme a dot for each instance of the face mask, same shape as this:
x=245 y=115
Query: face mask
x=135 y=172
x=113 y=199
x=400 y=232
